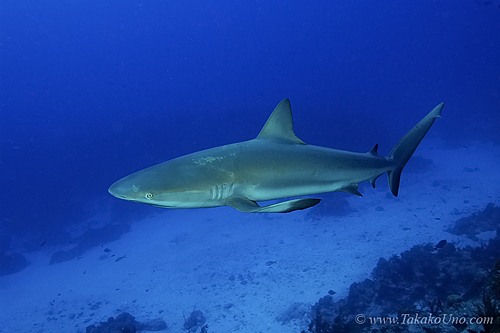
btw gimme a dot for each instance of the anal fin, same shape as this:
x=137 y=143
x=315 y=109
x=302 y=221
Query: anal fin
x=372 y=181
x=248 y=206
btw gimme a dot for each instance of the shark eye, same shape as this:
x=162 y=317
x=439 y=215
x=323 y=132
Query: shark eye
x=149 y=196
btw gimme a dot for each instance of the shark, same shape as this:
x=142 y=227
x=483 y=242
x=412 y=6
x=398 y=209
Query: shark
x=273 y=166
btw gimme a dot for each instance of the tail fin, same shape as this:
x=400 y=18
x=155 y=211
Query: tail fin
x=403 y=150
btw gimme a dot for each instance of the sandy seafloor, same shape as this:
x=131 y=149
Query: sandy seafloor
x=175 y=264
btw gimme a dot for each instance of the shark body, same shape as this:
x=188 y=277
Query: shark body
x=274 y=165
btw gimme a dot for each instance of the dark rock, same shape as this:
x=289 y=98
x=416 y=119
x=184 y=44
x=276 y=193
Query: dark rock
x=90 y=239
x=486 y=220
x=12 y=263
x=228 y=306
x=126 y=323
x=61 y=256
x=195 y=320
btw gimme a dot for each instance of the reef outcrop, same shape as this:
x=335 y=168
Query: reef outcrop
x=425 y=289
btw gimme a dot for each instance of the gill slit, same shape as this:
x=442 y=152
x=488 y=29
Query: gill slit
x=221 y=191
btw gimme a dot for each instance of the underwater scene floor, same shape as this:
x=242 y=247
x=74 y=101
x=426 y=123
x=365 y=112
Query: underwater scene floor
x=248 y=272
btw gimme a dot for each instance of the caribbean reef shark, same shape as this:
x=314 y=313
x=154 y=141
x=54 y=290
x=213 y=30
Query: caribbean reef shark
x=274 y=165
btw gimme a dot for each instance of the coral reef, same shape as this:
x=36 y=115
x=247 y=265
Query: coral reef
x=491 y=298
x=421 y=283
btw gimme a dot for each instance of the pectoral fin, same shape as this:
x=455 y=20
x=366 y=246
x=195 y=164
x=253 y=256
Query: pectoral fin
x=248 y=206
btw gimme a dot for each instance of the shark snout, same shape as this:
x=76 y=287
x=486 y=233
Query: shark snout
x=119 y=190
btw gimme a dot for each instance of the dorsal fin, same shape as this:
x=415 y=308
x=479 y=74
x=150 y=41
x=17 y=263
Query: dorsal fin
x=374 y=150
x=279 y=126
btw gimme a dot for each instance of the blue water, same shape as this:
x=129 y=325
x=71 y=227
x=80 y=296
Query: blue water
x=94 y=90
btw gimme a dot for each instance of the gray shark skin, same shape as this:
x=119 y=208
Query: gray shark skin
x=274 y=165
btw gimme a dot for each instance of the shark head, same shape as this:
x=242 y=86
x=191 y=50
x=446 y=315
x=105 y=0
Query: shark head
x=162 y=185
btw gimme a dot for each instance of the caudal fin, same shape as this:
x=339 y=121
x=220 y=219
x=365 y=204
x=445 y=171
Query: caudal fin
x=405 y=148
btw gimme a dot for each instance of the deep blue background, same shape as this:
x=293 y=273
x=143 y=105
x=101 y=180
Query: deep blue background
x=94 y=90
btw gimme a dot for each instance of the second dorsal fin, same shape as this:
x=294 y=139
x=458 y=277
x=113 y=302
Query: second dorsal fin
x=374 y=150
